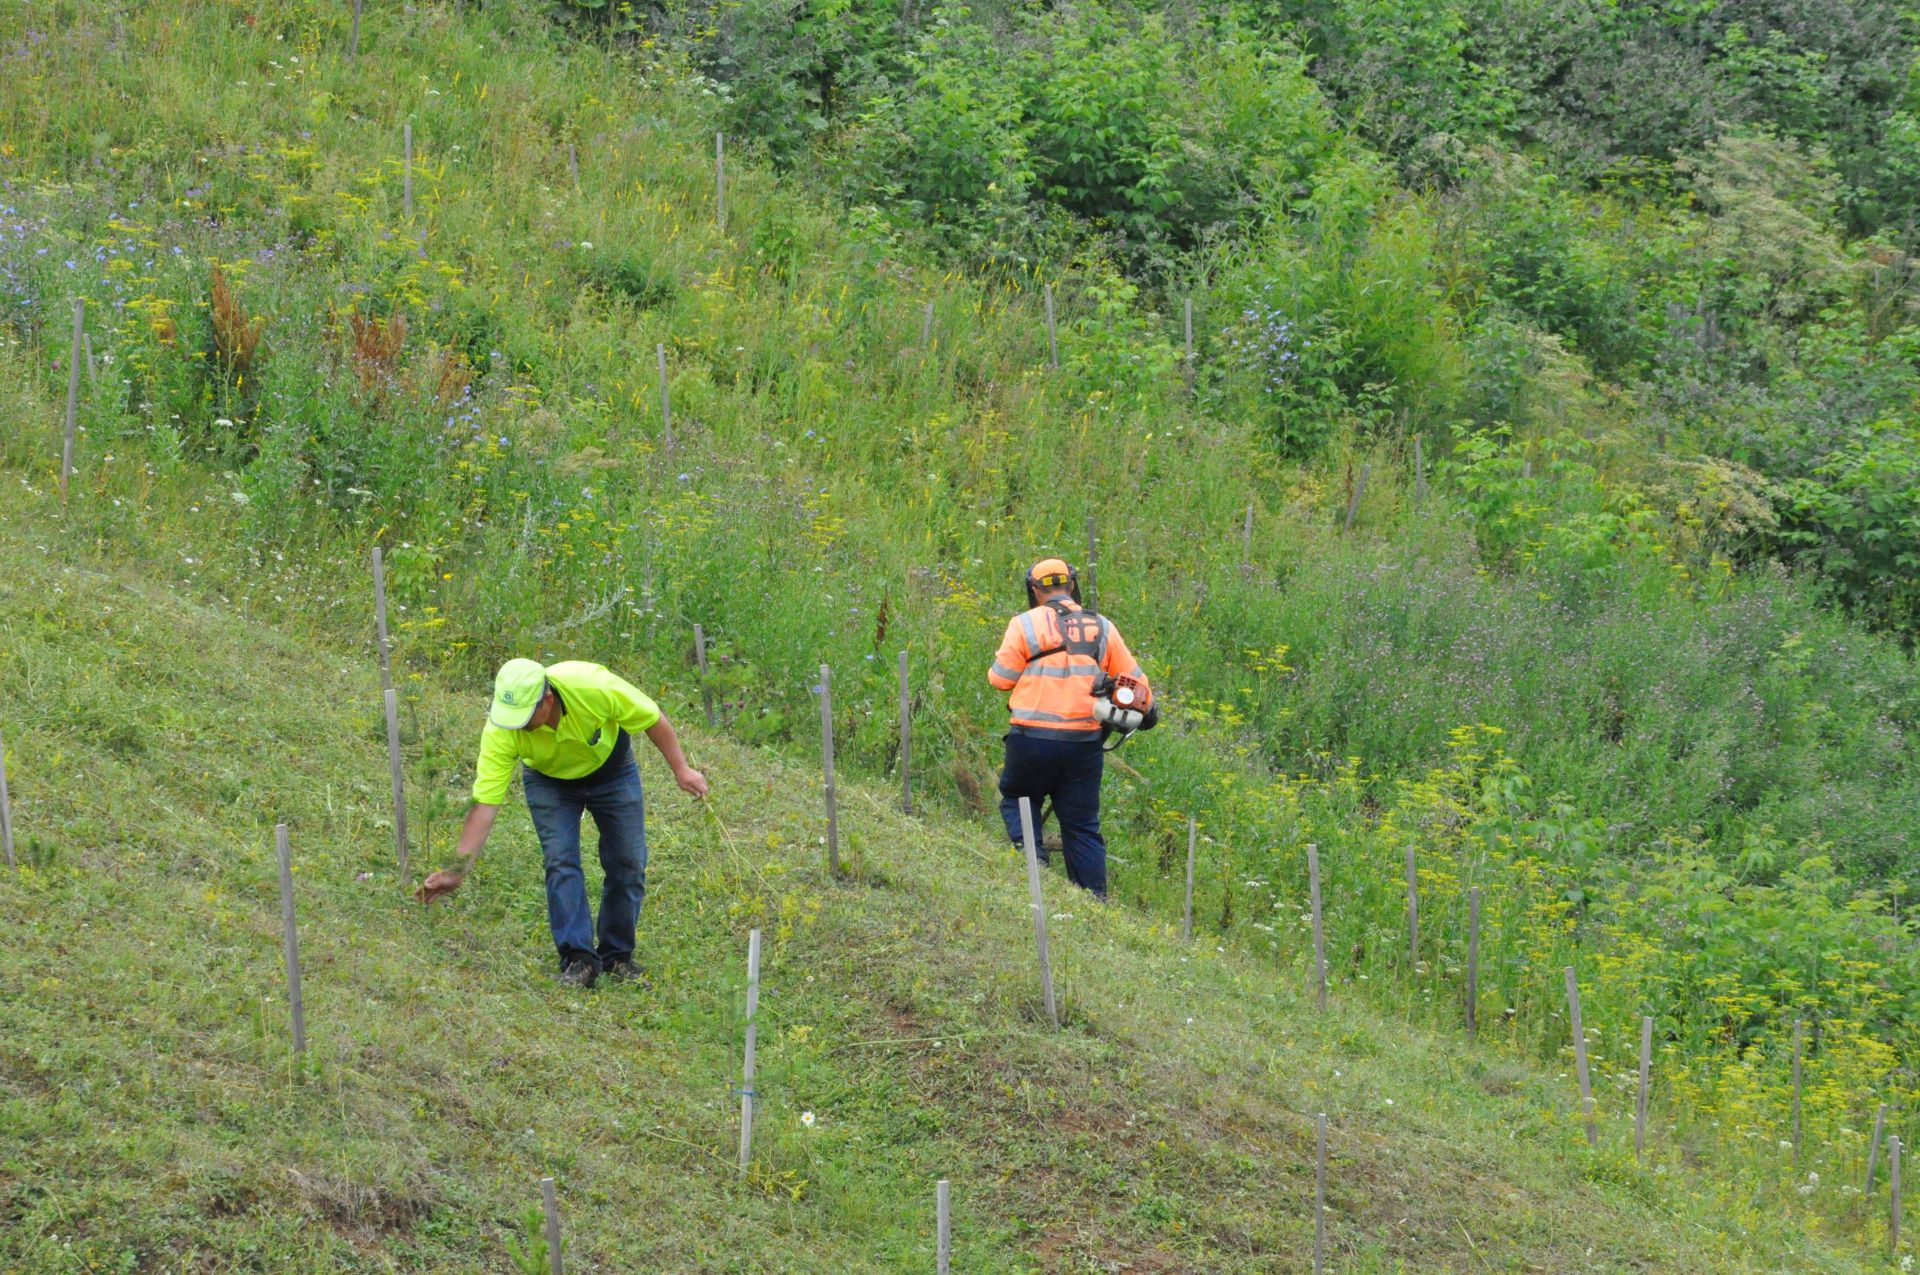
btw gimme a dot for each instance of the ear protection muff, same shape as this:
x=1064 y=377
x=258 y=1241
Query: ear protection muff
x=1037 y=580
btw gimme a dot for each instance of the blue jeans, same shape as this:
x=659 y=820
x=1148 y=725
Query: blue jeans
x=1068 y=772
x=612 y=796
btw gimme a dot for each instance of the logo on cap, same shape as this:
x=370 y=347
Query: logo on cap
x=506 y=697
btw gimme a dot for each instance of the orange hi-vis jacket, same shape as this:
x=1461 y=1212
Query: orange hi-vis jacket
x=1053 y=696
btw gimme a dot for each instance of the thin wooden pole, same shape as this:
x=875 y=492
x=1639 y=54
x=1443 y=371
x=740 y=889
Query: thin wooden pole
x=666 y=405
x=1186 y=923
x=1039 y=906
x=1320 y=1196
x=826 y=755
x=1246 y=538
x=6 y=810
x=1473 y=961
x=353 y=49
x=1646 y=1079
x=1419 y=472
x=753 y=1040
x=573 y=165
x=1873 y=1145
x=1893 y=1174
x=926 y=327
x=1319 y=931
x=700 y=660
x=550 y=1201
x=720 y=181
x=406 y=178
x=943 y=1208
x=1580 y=1057
x=1093 y=545
x=290 y=939
x=1189 y=327
x=399 y=781
x=906 y=734
x=380 y=618
x=1053 y=345
x=1798 y=1034
x=73 y=395
x=1359 y=489
x=1413 y=913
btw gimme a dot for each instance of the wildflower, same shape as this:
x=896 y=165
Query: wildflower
x=806 y=1118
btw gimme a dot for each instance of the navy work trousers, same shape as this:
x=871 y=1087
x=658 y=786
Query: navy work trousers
x=612 y=796
x=1067 y=772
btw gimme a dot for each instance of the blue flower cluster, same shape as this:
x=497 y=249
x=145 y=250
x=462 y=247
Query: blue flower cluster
x=1269 y=341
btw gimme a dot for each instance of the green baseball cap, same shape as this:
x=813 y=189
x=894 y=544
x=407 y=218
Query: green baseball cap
x=517 y=691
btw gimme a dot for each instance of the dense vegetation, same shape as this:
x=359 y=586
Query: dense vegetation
x=1663 y=370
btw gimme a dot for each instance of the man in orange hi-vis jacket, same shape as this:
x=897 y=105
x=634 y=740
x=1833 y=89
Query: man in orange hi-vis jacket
x=1065 y=667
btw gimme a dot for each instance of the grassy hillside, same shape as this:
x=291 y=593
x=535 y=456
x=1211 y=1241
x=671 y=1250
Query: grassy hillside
x=152 y=1117
x=1664 y=761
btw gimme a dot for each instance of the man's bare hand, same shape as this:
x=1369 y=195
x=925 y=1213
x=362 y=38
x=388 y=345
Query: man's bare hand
x=691 y=780
x=439 y=885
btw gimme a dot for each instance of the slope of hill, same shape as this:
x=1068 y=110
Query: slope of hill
x=1686 y=777
x=153 y=1118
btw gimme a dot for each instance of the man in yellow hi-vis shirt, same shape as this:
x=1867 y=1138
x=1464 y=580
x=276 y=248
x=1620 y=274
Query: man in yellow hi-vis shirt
x=571 y=726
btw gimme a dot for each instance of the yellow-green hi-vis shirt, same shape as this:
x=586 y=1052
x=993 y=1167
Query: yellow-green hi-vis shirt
x=598 y=706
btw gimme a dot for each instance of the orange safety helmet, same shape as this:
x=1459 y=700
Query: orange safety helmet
x=1049 y=573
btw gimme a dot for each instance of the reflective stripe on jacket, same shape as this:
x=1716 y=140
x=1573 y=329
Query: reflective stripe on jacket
x=1053 y=696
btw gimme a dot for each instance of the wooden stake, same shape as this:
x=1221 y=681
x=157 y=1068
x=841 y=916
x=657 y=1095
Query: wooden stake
x=1359 y=489
x=906 y=733
x=1320 y=1196
x=573 y=166
x=73 y=395
x=1646 y=1077
x=1186 y=923
x=1189 y=326
x=1893 y=1174
x=1873 y=1145
x=1053 y=346
x=700 y=659
x=290 y=940
x=380 y=618
x=399 y=782
x=1039 y=905
x=720 y=181
x=826 y=755
x=1413 y=913
x=6 y=812
x=353 y=49
x=1798 y=1032
x=1246 y=539
x=555 y=1264
x=1319 y=932
x=1580 y=1057
x=406 y=176
x=1419 y=473
x=926 y=327
x=666 y=405
x=943 y=1208
x=1473 y=961
x=1092 y=547
x=753 y=1040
